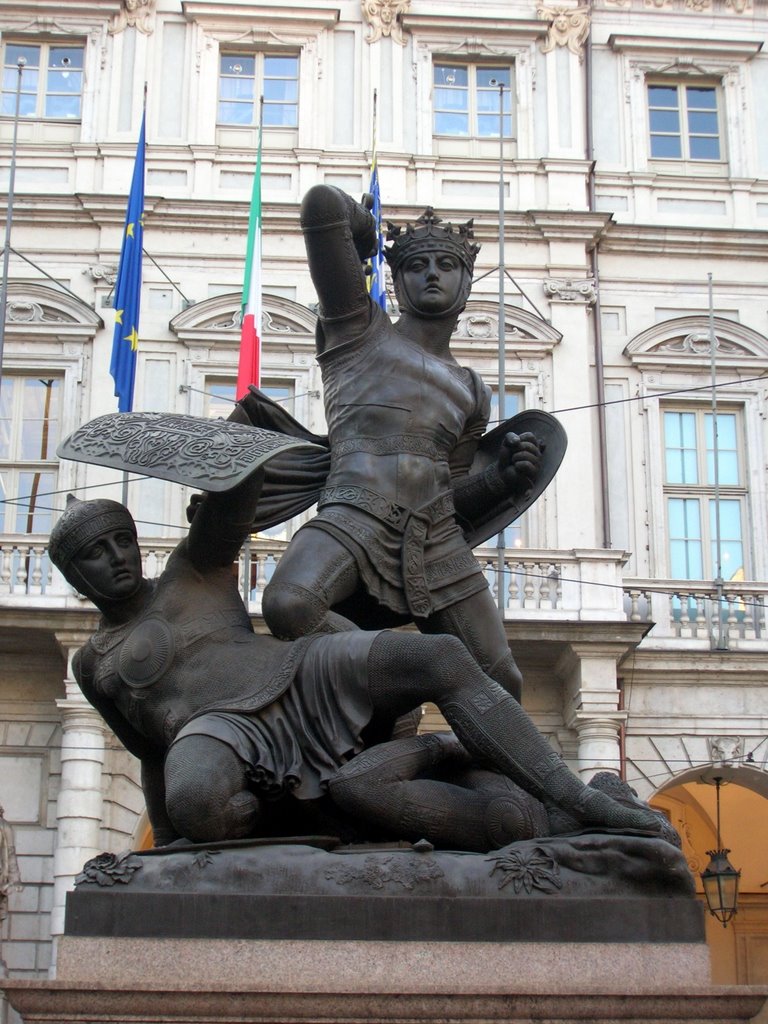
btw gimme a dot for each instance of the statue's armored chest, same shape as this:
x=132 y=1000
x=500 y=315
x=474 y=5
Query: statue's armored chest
x=396 y=387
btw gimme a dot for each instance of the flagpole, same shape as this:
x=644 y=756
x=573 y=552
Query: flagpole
x=249 y=360
x=20 y=64
x=718 y=580
x=501 y=541
x=374 y=266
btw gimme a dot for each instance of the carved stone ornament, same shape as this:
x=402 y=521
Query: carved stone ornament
x=269 y=324
x=109 y=868
x=526 y=869
x=658 y=3
x=139 y=14
x=569 y=291
x=738 y=6
x=20 y=312
x=698 y=344
x=568 y=26
x=698 y=5
x=479 y=326
x=106 y=272
x=382 y=17
x=407 y=873
x=725 y=749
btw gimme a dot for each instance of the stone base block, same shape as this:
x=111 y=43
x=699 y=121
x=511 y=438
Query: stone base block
x=78 y=1003
x=491 y=968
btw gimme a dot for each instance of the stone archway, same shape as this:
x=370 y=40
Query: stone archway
x=740 y=950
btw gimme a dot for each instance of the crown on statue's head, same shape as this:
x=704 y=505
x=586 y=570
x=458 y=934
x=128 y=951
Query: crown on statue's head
x=430 y=234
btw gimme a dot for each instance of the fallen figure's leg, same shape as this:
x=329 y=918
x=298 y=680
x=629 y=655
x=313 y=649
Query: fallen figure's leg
x=425 y=787
x=405 y=670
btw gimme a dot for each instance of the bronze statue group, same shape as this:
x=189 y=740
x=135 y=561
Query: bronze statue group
x=242 y=735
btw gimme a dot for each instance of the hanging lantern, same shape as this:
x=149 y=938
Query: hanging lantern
x=720 y=879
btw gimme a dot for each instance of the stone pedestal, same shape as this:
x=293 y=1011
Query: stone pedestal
x=181 y=981
x=383 y=937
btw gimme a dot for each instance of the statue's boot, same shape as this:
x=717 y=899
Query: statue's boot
x=494 y=727
x=560 y=822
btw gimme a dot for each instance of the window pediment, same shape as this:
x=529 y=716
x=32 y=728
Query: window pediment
x=34 y=309
x=524 y=332
x=685 y=341
x=218 y=319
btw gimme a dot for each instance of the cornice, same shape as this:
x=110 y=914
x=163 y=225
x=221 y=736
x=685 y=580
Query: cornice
x=92 y=11
x=475 y=24
x=570 y=225
x=713 y=46
x=273 y=19
x=661 y=239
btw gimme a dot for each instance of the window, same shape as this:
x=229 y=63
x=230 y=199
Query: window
x=51 y=82
x=245 y=77
x=692 y=510
x=513 y=404
x=466 y=100
x=221 y=396
x=30 y=412
x=684 y=122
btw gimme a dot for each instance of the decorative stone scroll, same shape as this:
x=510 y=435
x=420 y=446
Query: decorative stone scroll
x=382 y=17
x=566 y=290
x=568 y=26
x=21 y=312
x=484 y=325
x=106 y=272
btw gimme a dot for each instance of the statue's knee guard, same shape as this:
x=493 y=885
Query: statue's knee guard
x=206 y=796
x=291 y=611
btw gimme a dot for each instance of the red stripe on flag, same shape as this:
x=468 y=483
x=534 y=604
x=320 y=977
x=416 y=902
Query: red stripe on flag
x=249 y=365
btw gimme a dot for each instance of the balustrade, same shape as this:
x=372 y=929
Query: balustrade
x=536 y=584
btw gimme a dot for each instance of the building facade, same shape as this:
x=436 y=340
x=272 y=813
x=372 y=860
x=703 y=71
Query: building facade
x=629 y=138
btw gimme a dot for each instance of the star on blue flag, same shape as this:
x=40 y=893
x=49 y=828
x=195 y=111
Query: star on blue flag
x=125 y=341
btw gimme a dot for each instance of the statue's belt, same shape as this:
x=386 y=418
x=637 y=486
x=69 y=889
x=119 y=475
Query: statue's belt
x=148 y=651
x=393 y=444
x=413 y=524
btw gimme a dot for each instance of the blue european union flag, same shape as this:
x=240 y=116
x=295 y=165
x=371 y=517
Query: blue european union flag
x=128 y=287
x=376 y=278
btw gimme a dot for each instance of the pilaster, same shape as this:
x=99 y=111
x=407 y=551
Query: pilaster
x=592 y=705
x=79 y=808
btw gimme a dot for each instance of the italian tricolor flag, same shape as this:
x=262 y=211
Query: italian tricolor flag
x=249 y=366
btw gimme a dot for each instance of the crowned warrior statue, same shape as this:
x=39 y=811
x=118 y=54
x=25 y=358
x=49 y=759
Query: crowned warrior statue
x=390 y=542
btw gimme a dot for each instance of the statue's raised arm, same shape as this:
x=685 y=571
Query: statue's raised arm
x=339 y=234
